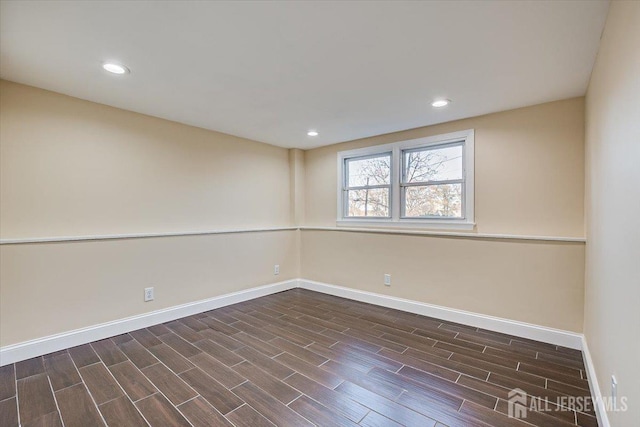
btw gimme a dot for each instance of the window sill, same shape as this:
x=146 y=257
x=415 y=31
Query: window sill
x=407 y=224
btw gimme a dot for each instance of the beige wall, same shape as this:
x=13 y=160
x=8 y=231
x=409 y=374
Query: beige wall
x=70 y=167
x=296 y=175
x=529 y=179
x=529 y=170
x=534 y=282
x=612 y=309
x=56 y=287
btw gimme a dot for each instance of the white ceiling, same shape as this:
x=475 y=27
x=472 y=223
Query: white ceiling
x=270 y=71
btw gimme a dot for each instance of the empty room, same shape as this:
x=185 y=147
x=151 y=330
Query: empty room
x=319 y=213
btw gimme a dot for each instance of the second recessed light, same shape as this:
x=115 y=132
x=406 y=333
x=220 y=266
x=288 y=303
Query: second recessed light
x=439 y=103
x=115 y=68
x=312 y=133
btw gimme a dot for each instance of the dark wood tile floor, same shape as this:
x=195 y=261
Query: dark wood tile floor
x=297 y=358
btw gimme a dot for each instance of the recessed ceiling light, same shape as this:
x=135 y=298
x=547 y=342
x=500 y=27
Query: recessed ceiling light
x=312 y=133
x=115 y=68
x=439 y=103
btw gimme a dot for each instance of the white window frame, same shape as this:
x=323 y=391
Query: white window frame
x=466 y=138
x=346 y=188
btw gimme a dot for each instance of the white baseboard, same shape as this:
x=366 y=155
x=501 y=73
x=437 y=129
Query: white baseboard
x=28 y=349
x=506 y=326
x=38 y=347
x=596 y=393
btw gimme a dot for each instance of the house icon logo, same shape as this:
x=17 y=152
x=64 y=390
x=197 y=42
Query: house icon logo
x=517 y=403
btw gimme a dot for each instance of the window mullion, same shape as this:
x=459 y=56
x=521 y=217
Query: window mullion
x=396 y=167
x=345 y=193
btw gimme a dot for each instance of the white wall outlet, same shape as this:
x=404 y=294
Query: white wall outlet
x=276 y=269
x=614 y=392
x=148 y=294
x=387 y=280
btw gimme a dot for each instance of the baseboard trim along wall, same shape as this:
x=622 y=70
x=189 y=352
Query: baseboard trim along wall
x=596 y=393
x=41 y=346
x=511 y=327
x=38 y=347
x=497 y=324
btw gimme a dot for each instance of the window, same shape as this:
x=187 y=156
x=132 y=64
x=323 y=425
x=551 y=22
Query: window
x=368 y=186
x=423 y=182
x=431 y=185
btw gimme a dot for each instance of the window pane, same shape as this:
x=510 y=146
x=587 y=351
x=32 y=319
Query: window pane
x=443 y=200
x=369 y=171
x=373 y=202
x=438 y=164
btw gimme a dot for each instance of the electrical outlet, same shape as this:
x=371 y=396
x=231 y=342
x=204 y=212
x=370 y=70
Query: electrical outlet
x=614 y=392
x=276 y=269
x=148 y=294
x=387 y=280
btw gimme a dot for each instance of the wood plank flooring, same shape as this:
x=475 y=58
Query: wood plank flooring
x=298 y=358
